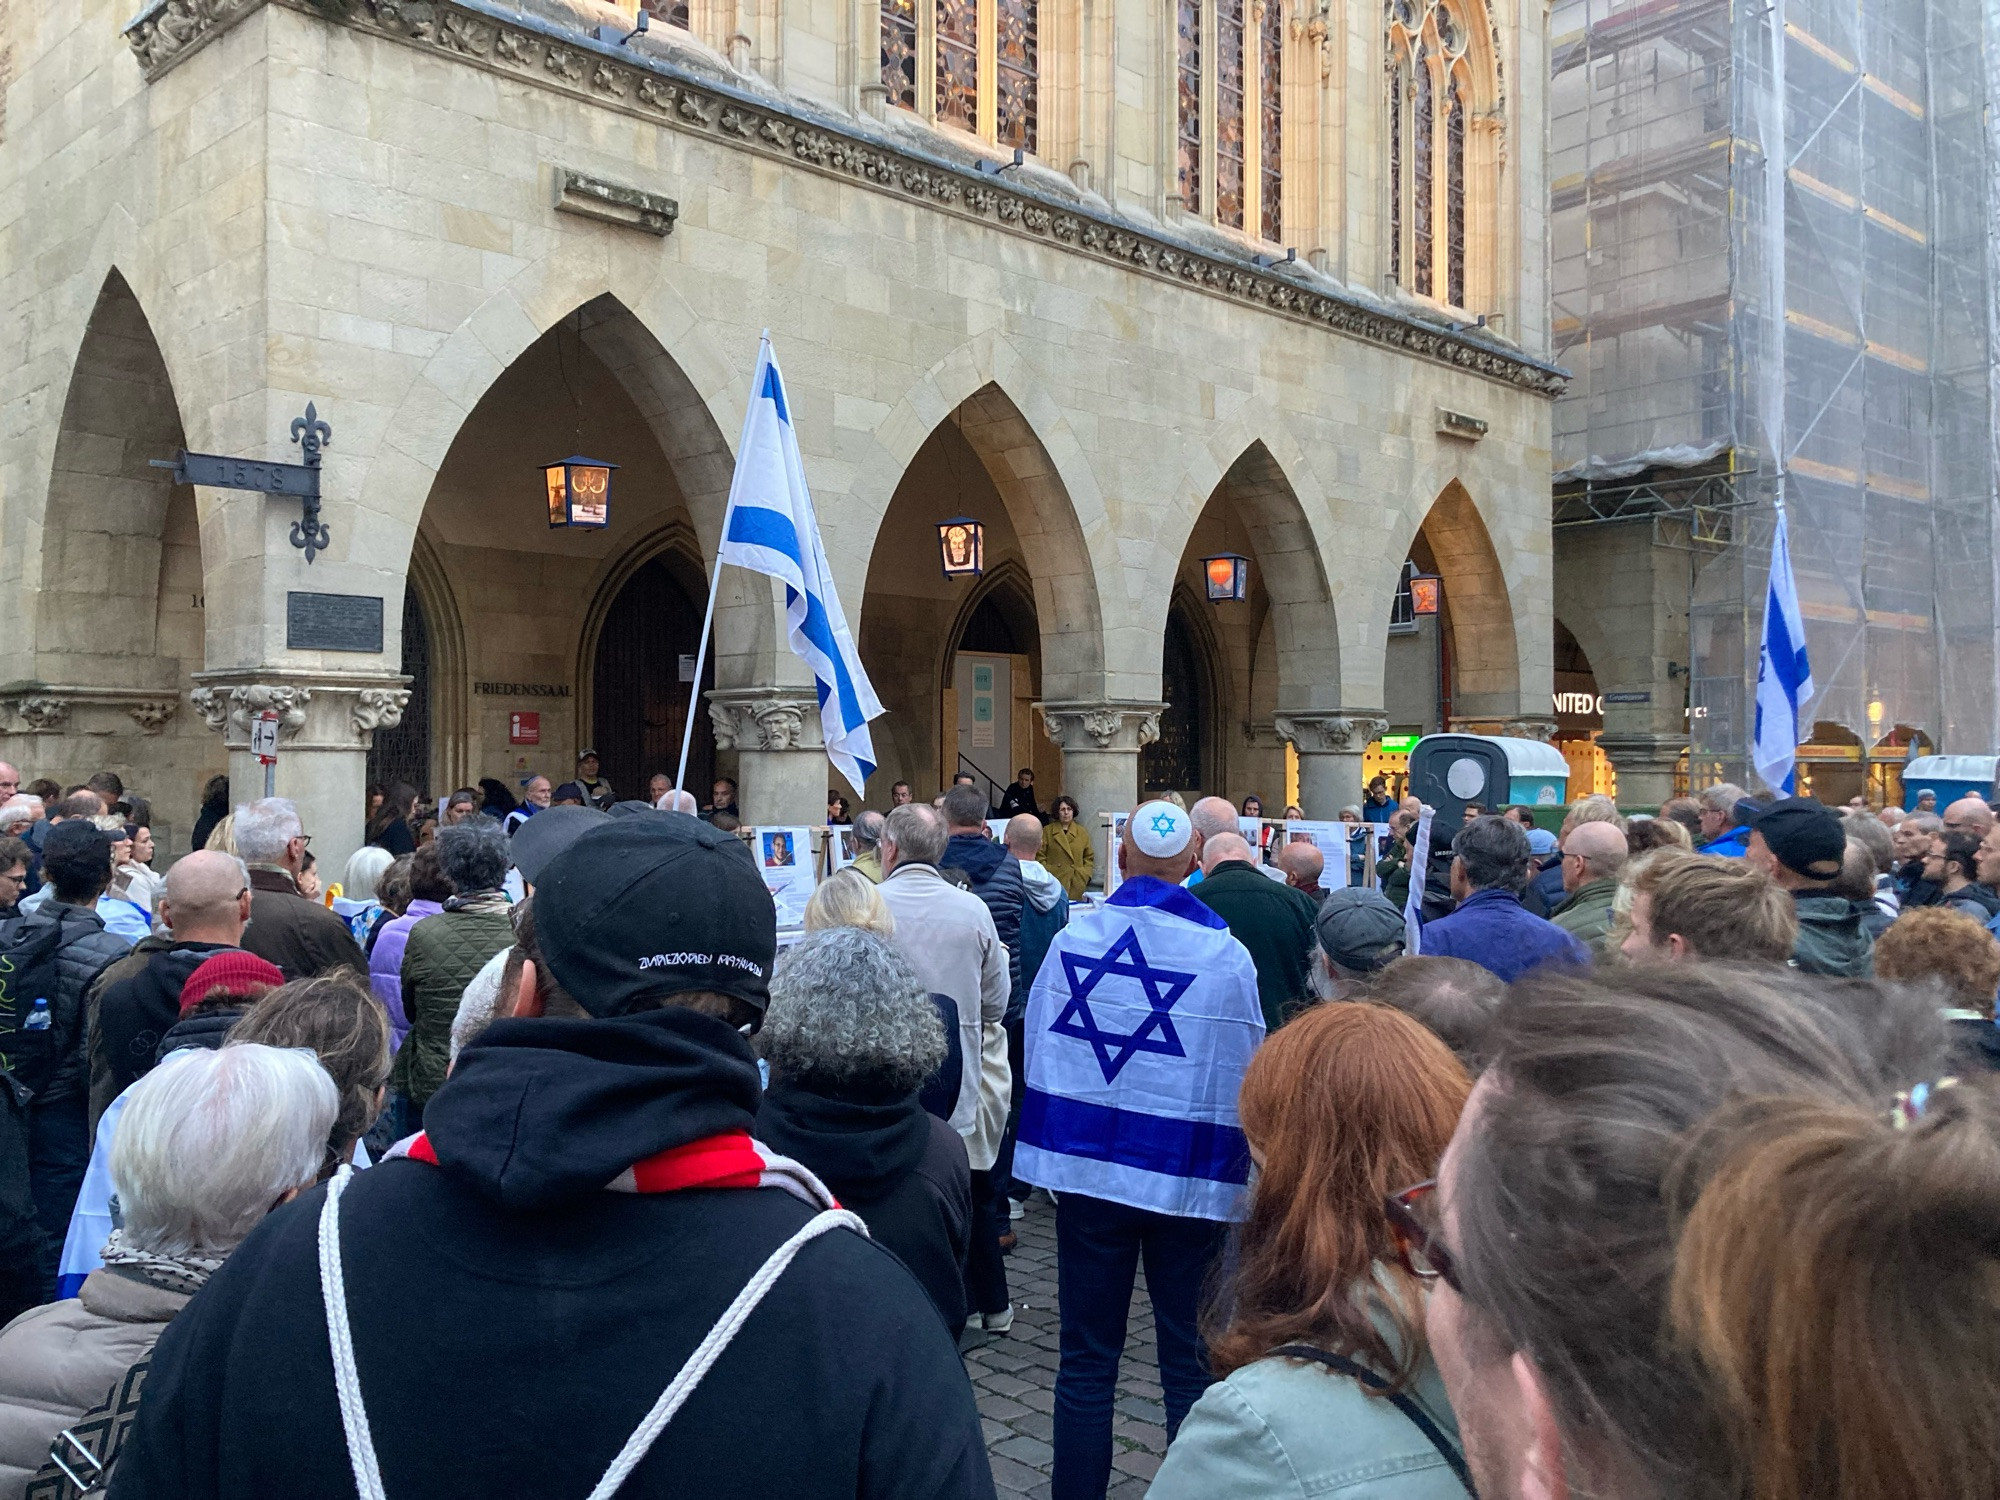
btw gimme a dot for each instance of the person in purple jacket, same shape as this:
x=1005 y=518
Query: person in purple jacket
x=1489 y=926
x=429 y=890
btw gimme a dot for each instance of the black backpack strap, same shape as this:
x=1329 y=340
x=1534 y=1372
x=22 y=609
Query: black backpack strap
x=1447 y=1450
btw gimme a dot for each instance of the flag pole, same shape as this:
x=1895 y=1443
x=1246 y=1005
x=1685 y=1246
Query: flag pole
x=715 y=586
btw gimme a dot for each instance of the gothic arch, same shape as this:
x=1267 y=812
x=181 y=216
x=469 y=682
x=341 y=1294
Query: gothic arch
x=1485 y=650
x=1445 y=122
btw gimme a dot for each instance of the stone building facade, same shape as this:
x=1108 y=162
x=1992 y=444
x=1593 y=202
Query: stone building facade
x=1208 y=312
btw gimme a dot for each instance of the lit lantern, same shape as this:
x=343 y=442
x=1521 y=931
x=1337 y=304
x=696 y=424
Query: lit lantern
x=1228 y=576
x=579 y=491
x=962 y=547
x=1426 y=591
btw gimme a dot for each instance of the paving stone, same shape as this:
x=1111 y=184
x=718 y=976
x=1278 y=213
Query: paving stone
x=999 y=1408
x=1148 y=1435
x=1002 y=1384
x=1026 y=1450
x=1142 y=1465
x=1014 y=1478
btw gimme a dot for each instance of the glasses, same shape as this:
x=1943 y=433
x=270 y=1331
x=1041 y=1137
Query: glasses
x=1413 y=1226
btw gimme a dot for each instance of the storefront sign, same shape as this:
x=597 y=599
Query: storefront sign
x=1398 y=744
x=524 y=729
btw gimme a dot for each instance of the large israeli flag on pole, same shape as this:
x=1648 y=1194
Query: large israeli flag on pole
x=1784 y=676
x=771 y=528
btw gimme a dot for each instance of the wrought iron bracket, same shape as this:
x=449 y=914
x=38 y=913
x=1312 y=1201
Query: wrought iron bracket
x=293 y=481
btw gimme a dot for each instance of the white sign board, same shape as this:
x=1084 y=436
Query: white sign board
x=785 y=857
x=1112 y=877
x=264 y=738
x=1331 y=841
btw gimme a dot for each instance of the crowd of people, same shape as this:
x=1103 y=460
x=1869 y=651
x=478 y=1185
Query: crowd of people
x=1652 y=1156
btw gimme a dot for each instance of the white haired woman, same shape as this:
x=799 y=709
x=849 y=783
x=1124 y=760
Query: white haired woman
x=851 y=1036
x=210 y=1142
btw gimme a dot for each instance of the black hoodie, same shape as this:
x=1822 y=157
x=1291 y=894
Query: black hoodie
x=138 y=1002
x=904 y=1171
x=514 y=1321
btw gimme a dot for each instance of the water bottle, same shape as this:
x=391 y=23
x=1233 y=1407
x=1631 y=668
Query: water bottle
x=39 y=1018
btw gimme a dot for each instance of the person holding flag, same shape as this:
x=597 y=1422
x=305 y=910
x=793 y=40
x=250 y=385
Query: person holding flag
x=771 y=528
x=1784 y=674
x=1140 y=1026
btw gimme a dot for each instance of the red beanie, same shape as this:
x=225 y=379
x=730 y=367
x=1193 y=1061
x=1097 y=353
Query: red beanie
x=230 y=972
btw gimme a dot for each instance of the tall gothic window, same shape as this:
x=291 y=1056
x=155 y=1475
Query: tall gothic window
x=1230 y=112
x=970 y=64
x=1429 y=84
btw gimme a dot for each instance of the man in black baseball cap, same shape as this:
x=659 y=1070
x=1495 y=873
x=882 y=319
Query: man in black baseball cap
x=524 y=1279
x=1800 y=843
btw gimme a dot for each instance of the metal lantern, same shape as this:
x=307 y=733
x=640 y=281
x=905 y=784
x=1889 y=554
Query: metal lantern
x=579 y=491
x=1426 y=593
x=962 y=547
x=1228 y=576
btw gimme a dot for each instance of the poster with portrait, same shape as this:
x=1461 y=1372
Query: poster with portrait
x=1259 y=833
x=1112 y=878
x=841 y=848
x=784 y=855
x=1331 y=841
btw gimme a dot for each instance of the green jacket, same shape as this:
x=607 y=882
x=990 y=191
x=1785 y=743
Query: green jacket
x=1586 y=913
x=1832 y=940
x=443 y=955
x=1274 y=922
x=1392 y=876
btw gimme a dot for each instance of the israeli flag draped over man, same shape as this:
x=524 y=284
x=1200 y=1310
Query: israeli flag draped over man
x=771 y=528
x=1784 y=675
x=1138 y=1030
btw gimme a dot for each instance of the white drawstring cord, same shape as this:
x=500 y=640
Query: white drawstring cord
x=346 y=1377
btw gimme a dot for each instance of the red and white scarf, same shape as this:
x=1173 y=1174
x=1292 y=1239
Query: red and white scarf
x=731 y=1160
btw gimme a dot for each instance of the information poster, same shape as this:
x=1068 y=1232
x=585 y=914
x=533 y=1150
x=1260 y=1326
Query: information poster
x=841 y=848
x=785 y=857
x=1112 y=878
x=1331 y=841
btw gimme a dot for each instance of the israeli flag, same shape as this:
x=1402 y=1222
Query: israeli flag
x=770 y=528
x=1138 y=1031
x=1784 y=676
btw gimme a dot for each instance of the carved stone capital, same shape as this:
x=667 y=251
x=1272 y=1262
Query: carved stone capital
x=1344 y=733
x=75 y=708
x=167 y=30
x=765 y=719
x=152 y=714
x=316 y=710
x=42 y=713
x=1102 y=726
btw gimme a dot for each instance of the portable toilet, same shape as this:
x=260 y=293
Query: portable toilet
x=1449 y=770
x=1949 y=777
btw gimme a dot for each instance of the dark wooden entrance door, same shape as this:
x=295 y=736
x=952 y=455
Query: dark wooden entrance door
x=1172 y=763
x=639 y=703
x=404 y=753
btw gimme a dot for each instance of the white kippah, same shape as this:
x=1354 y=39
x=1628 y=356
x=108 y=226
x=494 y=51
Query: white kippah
x=1160 y=830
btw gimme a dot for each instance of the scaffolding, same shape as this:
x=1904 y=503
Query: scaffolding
x=1807 y=323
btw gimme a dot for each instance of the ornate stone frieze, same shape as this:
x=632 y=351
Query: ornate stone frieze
x=1344 y=733
x=316 y=710
x=1102 y=726
x=542 y=52
x=378 y=708
x=230 y=709
x=59 y=708
x=43 y=713
x=152 y=714
x=765 y=719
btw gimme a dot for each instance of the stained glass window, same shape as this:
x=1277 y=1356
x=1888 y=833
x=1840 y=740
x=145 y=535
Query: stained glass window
x=1454 y=196
x=899 y=52
x=1229 y=112
x=1421 y=127
x=958 y=63
x=1016 y=74
x=1189 y=76
x=1395 y=167
x=1271 y=115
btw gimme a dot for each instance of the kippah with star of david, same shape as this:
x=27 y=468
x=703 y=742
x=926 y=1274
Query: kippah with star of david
x=1160 y=830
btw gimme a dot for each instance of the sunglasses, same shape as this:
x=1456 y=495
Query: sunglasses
x=1413 y=1227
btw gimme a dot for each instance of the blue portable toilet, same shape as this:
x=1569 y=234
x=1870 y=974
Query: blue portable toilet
x=1449 y=770
x=1949 y=777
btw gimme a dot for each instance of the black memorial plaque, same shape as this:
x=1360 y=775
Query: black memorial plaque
x=333 y=622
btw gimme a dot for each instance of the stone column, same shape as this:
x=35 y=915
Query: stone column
x=326 y=726
x=781 y=755
x=1100 y=744
x=1329 y=747
x=1645 y=765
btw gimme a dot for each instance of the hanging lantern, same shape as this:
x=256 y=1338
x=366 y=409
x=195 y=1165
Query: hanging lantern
x=1228 y=576
x=579 y=491
x=1426 y=593
x=962 y=547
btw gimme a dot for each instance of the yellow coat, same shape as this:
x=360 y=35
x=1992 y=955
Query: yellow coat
x=1068 y=855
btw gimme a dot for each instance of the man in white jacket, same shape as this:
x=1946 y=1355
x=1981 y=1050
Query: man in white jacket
x=947 y=935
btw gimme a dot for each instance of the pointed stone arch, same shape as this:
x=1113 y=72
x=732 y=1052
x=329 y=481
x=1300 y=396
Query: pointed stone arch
x=1486 y=655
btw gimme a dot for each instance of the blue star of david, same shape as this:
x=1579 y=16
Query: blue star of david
x=1163 y=823
x=1154 y=1034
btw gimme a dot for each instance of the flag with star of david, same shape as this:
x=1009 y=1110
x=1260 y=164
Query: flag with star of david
x=1137 y=1033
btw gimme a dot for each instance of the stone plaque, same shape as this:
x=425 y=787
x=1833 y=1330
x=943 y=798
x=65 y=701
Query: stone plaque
x=333 y=622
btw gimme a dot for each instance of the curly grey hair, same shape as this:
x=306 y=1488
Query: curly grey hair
x=473 y=854
x=848 y=1015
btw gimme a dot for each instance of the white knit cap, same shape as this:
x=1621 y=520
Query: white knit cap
x=1160 y=830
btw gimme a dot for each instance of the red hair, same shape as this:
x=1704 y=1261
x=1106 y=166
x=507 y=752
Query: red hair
x=1345 y=1105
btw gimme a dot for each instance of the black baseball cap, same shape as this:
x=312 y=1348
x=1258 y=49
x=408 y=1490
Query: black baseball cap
x=1360 y=929
x=1804 y=835
x=655 y=905
x=547 y=834
x=570 y=791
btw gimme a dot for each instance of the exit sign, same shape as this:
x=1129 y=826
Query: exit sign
x=524 y=729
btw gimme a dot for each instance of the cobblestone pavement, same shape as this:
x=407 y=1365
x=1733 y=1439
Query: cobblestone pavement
x=1015 y=1377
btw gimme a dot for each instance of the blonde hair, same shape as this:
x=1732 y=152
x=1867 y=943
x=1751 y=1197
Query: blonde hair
x=847 y=898
x=222 y=837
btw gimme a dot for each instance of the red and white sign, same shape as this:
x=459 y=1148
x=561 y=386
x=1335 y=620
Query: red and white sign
x=264 y=738
x=524 y=729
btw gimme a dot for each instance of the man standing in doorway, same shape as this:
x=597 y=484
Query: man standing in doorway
x=597 y=791
x=1139 y=1029
x=533 y=800
x=1020 y=797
